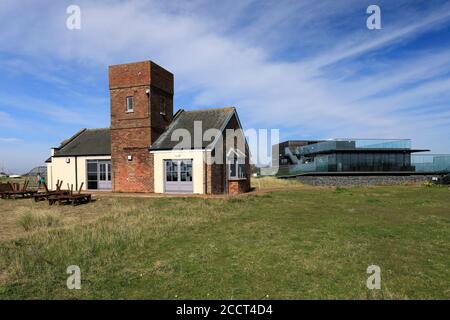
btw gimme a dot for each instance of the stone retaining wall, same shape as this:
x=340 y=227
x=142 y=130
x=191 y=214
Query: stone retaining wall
x=348 y=181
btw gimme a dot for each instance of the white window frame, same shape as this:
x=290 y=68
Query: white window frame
x=237 y=163
x=128 y=99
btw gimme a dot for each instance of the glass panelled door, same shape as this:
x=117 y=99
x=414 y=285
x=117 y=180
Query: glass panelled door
x=104 y=175
x=99 y=174
x=178 y=176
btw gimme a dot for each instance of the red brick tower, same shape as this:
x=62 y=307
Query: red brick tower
x=141 y=109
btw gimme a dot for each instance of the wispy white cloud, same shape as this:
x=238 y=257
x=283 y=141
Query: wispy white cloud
x=236 y=53
x=400 y=31
x=65 y=113
x=10 y=140
x=5 y=118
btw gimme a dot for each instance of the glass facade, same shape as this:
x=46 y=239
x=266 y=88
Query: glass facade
x=431 y=162
x=357 y=155
x=354 y=144
x=370 y=161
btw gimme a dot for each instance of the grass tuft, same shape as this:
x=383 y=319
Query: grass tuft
x=340 y=190
x=32 y=221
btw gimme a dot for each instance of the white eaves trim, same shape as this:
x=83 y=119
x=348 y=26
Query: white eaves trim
x=178 y=150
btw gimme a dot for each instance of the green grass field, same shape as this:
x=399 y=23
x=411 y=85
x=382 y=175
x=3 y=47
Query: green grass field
x=300 y=243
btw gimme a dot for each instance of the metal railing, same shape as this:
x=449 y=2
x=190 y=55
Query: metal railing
x=353 y=144
x=431 y=162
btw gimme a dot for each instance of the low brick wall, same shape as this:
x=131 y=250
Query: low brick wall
x=348 y=181
x=238 y=186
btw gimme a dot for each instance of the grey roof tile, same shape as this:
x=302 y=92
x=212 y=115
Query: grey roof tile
x=87 y=142
x=210 y=119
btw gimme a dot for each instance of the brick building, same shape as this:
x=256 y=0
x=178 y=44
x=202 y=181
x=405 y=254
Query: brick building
x=148 y=148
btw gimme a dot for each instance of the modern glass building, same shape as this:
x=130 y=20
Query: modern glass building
x=355 y=156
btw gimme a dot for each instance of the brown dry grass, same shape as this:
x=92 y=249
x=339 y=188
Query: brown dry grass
x=11 y=211
x=272 y=182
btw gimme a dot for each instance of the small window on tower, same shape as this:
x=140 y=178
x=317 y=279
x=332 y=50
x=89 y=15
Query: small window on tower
x=162 y=107
x=130 y=104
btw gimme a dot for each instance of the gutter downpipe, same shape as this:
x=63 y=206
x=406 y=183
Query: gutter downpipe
x=227 y=190
x=205 y=175
x=76 y=172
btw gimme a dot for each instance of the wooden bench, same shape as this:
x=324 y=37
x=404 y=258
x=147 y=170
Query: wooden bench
x=71 y=197
x=15 y=191
x=47 y=193
x=5 y=188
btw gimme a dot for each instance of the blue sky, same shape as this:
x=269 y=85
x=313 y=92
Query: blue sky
x=309 y=68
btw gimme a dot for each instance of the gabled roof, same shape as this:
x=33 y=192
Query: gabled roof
x=210 y=119
x=235 y=152
x=42 y=170
x=86 y=142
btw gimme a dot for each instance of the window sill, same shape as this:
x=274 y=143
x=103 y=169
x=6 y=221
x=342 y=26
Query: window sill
x=130 y=111
x=237 y=179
